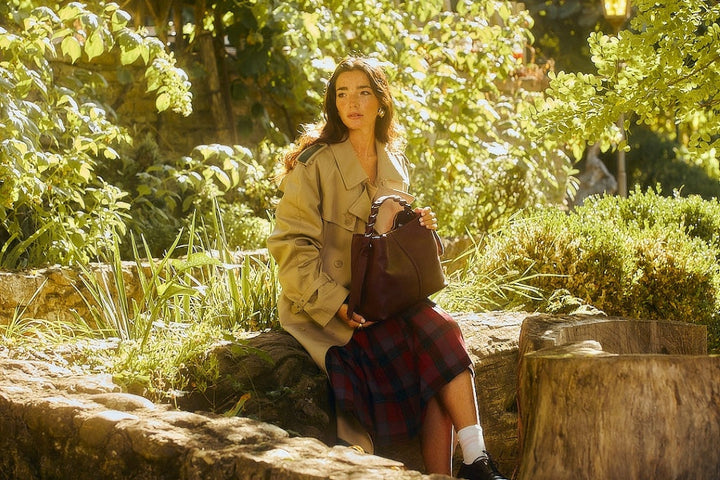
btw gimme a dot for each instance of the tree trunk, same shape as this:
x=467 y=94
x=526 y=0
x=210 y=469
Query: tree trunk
x=610 y=398
x=218 y=104
x=590 y=415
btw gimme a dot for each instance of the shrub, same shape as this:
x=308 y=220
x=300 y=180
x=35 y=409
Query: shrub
x=647 y=256
x=243 y=230
x=55 y=130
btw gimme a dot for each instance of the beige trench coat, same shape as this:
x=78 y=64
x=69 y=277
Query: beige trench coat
x=325 y=200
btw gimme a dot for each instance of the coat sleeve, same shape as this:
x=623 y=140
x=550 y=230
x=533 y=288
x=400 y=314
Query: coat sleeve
x=296 y=243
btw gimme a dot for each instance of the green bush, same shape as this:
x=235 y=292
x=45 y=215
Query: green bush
x=167 y=191
x=55 y=131
x=243 y=230
x=644 y=257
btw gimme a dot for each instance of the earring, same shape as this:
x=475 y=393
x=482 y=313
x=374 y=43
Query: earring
x=381 y=112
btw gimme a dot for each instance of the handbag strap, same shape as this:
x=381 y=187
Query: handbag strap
x=357 y=278
x=375 y=208
x=403 y=203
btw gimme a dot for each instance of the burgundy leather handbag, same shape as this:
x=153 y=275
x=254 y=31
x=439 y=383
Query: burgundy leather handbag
x=395 y=270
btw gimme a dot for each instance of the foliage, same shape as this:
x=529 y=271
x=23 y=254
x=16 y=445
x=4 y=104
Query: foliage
x=185 y=305
x=167 y=192
x=655 y=159
x=196 y=287
x=561 y=29
x=662 y=70
x=469 y=157
x=243 y=229
x=53 y=207
x=647 y=257
x=474 y=290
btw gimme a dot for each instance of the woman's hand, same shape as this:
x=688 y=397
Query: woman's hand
x=427 y=217
x=357 y=320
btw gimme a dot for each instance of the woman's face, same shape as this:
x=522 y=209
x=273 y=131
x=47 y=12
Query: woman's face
x=356 y=102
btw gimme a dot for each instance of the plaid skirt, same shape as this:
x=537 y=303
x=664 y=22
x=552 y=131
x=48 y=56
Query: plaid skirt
x=387 y=373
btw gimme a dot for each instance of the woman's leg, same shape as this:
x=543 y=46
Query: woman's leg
x=459 y=400
x=437 y=440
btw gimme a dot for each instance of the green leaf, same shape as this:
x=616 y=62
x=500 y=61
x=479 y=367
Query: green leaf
x=120 y=20
x=196 y=260
x=222 y=177
x=94 y=46
x=162 y=102
x=72 y=48
x=172 y=289
x=129 y=56
x=110 y=153
x=70 y=11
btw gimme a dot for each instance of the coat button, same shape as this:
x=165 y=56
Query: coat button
x=338 y=263
x=349 y=219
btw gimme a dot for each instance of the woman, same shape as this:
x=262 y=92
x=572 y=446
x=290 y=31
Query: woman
x=396 y=379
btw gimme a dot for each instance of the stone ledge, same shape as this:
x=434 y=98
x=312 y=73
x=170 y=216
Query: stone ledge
x=54 y=424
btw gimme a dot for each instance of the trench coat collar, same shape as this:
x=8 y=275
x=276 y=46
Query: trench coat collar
x=352 y=173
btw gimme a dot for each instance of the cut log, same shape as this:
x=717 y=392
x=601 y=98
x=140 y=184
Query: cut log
x=615 y=335
x=631 y=412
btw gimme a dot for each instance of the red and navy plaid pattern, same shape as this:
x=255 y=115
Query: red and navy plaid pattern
x=388 y=372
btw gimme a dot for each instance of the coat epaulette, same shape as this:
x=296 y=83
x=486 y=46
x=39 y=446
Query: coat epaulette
x=309 y=152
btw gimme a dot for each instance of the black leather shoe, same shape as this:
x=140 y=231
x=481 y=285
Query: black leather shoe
x=481 y=469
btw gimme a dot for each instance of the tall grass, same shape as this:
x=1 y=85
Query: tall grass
x=471 y=289
x=166 y=314
x=202 y=283
x=195 y=296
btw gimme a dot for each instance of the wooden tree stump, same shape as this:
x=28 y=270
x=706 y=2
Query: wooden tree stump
x=634 y=413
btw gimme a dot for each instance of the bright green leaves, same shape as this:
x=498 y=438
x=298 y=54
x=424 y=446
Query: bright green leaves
x=95 y=45
x=118 y=18
x=663 y=69
x=171 y=84
x=444 y=68
x=54 y=208
x=131 y=46
x=72 y=48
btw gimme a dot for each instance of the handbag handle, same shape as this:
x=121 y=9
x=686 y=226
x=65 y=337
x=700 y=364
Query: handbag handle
x=357 y=277
x=406 y=206
x=376 y=208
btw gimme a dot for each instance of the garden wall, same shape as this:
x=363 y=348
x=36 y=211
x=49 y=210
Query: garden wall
x=57 y=425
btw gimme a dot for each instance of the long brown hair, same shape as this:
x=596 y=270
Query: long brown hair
x=333 y=130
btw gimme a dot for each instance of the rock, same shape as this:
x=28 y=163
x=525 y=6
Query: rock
x=595 y=179
x=287 y=389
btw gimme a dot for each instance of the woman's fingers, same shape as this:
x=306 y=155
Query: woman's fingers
x=427 y=218
x=357 y=321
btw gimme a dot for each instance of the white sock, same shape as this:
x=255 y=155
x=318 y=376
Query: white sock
x=472 y=443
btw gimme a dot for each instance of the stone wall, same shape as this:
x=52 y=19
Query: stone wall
x=58 y=294
x=57 y=425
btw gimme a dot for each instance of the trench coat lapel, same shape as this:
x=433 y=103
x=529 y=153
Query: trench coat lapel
x=353 y=175
x=348 y=164
x=389 y=167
